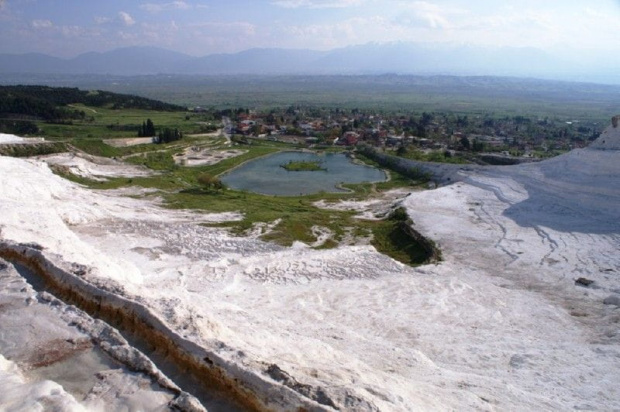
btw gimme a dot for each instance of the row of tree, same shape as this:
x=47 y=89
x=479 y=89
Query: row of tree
x=18 y=127
x=167 y=135
x=147 y=129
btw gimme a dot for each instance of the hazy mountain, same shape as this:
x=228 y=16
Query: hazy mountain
x=129 y=61
x=31 y=63
x=401 y=58
x=415 y=58
x=256 y=61
x=124 y=61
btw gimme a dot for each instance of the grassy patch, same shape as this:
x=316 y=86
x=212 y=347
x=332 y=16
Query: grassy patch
x=110 y=183
x=391 y=238
x=302 y=166
x=108 y=123
x=297 y=215
x=436 y=156
x=34 y=149
x=96 y=147
x=157 y=160
x=396 y=179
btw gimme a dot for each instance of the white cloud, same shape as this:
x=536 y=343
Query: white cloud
x=356 y=30
x=74 y=32
x=42 y=24
x=316 y=4
x=159 y=7
x=102 y=20
x=181 y=25
x=222 y=29
x=200 y=38
x=126 y=18
x=430 y=15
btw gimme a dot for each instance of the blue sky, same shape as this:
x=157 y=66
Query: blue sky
x=66 y=28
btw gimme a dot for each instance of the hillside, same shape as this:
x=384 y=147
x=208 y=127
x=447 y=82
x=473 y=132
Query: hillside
x=20 y=106
x=522 y=313
x=52 y=102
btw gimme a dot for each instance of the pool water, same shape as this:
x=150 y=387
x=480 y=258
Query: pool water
x=266 y=176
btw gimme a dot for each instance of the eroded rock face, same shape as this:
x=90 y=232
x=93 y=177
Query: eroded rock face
x=49 y=362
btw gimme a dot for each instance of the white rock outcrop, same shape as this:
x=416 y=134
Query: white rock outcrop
x=610 y=138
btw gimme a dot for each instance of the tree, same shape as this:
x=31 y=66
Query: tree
x=150 y=128
x=147 y=129
x=169 y=135
x=421 y=132
x=477 y=146
x=426 y=119
x=257 y=129
x=465 y=143
x=462 y=121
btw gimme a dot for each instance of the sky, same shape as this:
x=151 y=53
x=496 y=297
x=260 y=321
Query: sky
x=66 y=28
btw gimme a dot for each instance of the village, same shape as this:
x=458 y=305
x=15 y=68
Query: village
x=427 y=136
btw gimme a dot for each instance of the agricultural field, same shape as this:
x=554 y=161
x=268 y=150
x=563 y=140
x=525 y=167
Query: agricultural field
x=473 y=95
x=108 y=123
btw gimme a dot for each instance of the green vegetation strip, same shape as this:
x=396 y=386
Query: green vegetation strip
x=302 y=166
x=32 y=149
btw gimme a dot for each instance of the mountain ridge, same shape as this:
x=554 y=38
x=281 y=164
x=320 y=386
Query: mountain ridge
x=370 y=58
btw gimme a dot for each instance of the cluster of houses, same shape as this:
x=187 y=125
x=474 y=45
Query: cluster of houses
x=430 y=132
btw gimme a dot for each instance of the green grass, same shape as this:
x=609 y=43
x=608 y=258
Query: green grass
x=227 y=164
x=96 y=147
x=27 y=150
x=390 y=239
x=110 y=183
x=297 y=216
x=105 y=123
x=156 y=160
x=396 y=180
x=437 y=156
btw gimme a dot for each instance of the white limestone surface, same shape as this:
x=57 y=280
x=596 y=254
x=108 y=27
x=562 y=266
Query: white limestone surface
x=94 y=167
x=500 y=324
x=12 y=139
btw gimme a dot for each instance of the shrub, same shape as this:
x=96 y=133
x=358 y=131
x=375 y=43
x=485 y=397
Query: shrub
x=210 y=182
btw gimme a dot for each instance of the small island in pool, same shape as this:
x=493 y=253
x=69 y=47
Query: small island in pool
x=303 y=166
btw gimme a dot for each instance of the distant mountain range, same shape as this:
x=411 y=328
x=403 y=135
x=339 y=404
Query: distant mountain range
x=398 y=58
